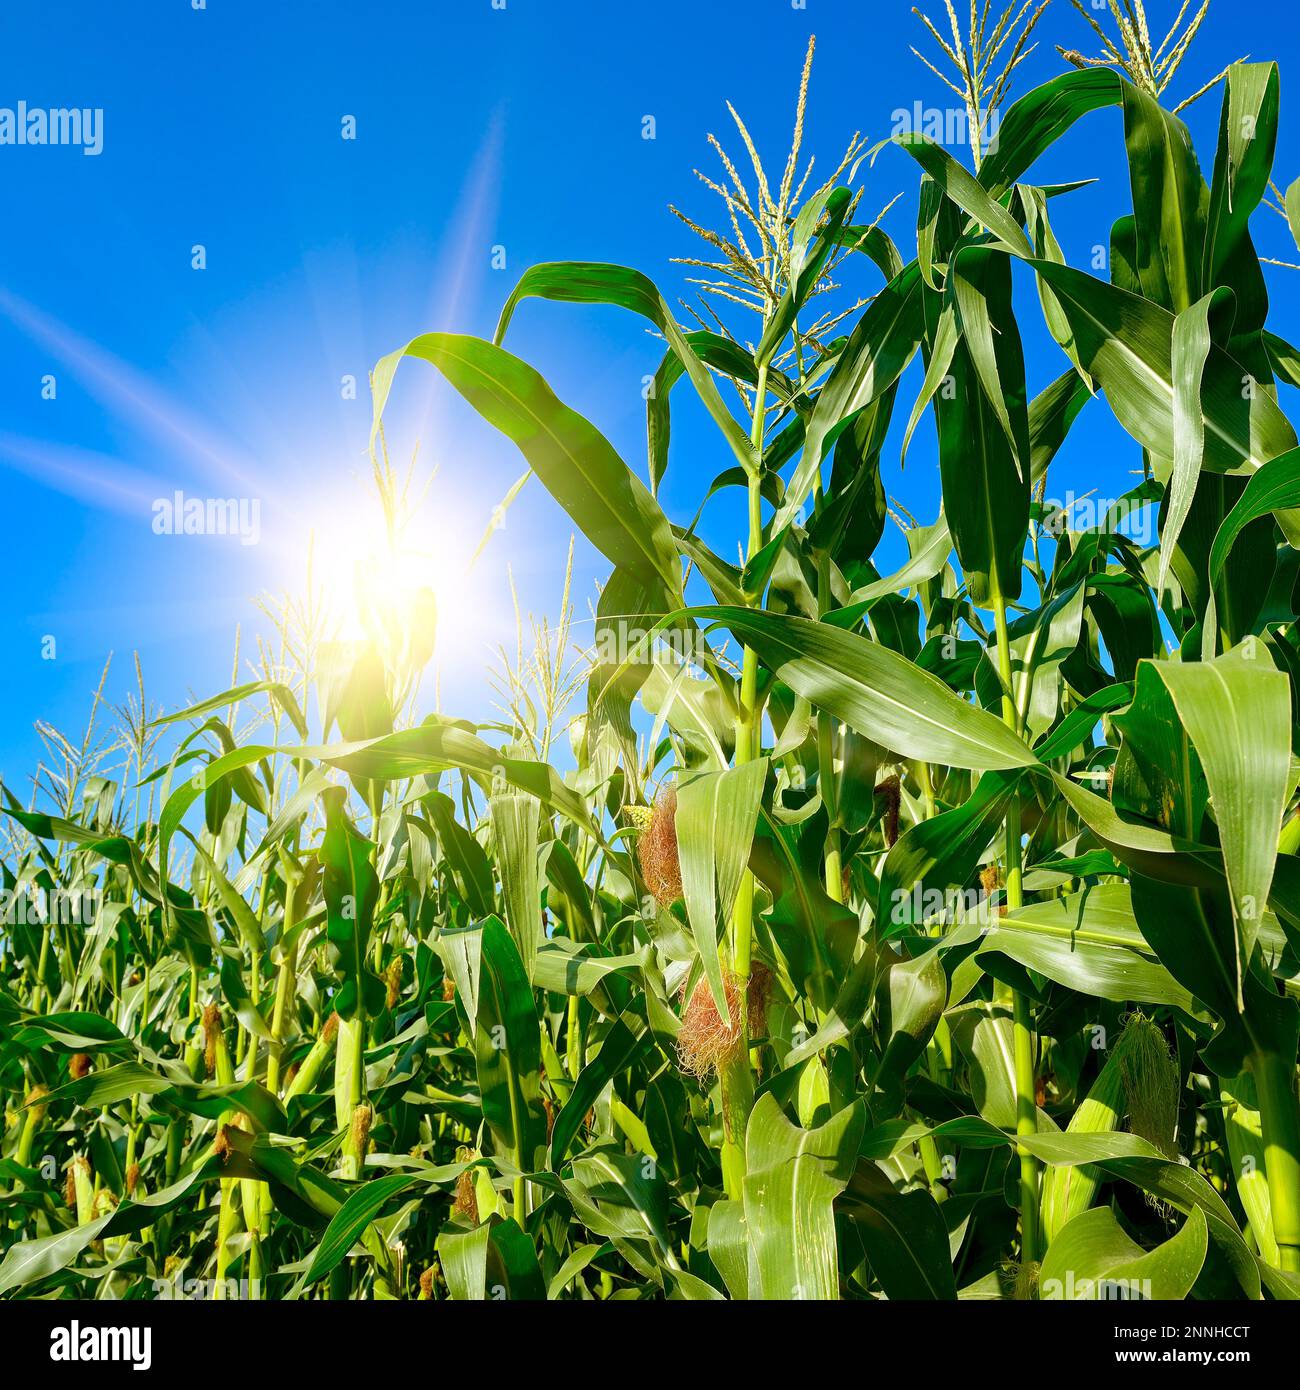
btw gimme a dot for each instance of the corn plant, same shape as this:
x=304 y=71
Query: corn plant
x=814 y=931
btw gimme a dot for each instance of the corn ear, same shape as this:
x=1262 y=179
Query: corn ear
x=1140 y=1080
x=307 y=1075
x=1067 y=1191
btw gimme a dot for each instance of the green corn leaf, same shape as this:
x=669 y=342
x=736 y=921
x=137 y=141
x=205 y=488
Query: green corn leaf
x=1126 y=343
x=28 y=1261
x=352 y=1218
x=875 y=691
x=437 y=744
x=792 y=1178
x=1089 y=942
x=1190 y=347
x=969 y=193
x=586 y=282
x=1170 y=202
x=1091 y=1258
x=903 y=1234
x=1035 y=122
x=617 y=1048
x=464 y=853
x=280 y=694
x=1237 y=712
x=575 y=462
x=1274 y=487
x=495 y=1262
x=507 y=1048
x=879 y=348
x=984 y=430
x=351 y=890
x=515 y=817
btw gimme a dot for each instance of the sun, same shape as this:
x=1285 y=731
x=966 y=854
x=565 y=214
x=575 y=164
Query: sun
x=407 y=582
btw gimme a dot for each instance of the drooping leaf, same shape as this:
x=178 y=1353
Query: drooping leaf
x=575 y=462
x=586 y=282
x=1127 y=344
x=877 y=692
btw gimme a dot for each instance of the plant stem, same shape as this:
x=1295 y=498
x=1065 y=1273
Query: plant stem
x=826 y=759
x=38 y=994
x=574 y=1051
x=351 y=1056
x=832 y=854
x=228 y=1215
x=1022 y=1028
x=736 y=1080
x=737 y=1099
x=747 y=732
x=1279 y=1113
x=284 y=985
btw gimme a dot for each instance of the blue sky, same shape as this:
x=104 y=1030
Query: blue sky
x=476 y=127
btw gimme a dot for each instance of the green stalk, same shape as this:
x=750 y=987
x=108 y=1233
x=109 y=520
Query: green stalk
x=575 y=1059
x=256 y=1195
x=826 y=760
x=747 y=720
x=175 y=1142
x=38 y=995
x=933 y=1165
x=737 y=1100
x=284 y=985
x=227 y=1229
x=131 y=1129
x=350 y=1088
x=1275 y=1086
x=256 y=1259
x=737 y=1080
x=1022 y=1022
x=228 y=1214
x=351 y=1058
x=832 y=854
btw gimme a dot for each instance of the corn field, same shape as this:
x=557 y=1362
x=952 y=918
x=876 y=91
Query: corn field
x=806 y=931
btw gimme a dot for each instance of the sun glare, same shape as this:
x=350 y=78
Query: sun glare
x=413 y=588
